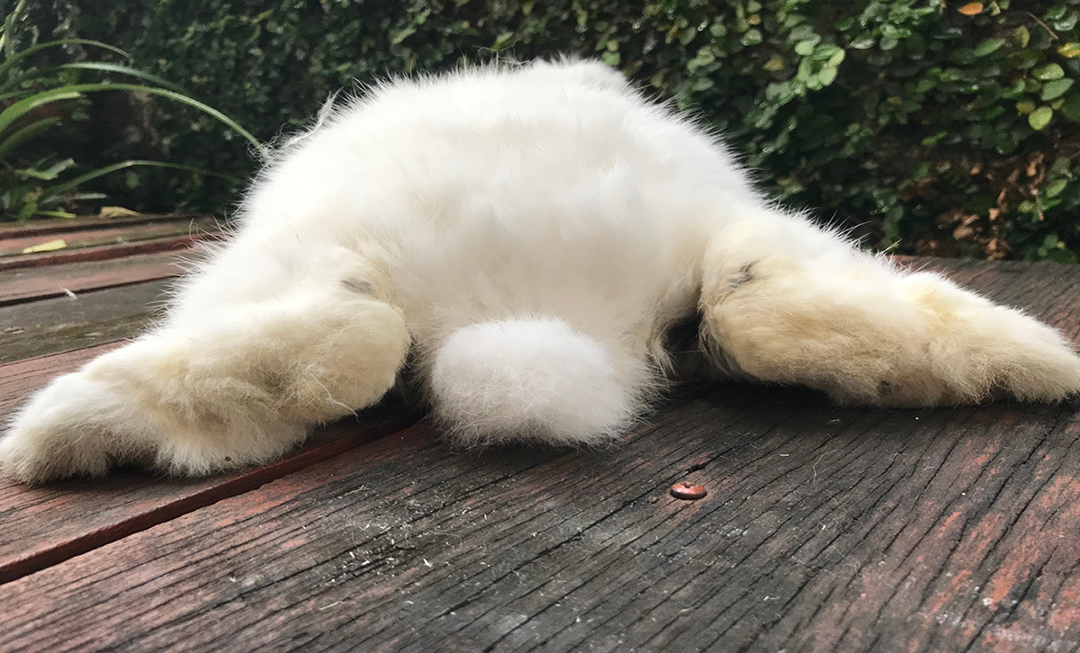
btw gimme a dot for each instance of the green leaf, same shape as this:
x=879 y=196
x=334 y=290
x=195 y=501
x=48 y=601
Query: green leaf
x=988 y=46
x=1048 y=71
x=1014 y=91
x=1040 y=118
x=1023 y=36
x=398 y=37
x=16 y=58
x=72 y=184
x=6 y=42
x=1061 y=255
x=827 y=75
x=1054 y=188
x=1055 y=89
x=1071 y=108
x=26 y=105
x=1055 y=12
x=752 y=37
x=704 y=57
x=46 y=174
x=1066 y=23
x=502 y=41
x=804 y=48
x=703 y=84
x=15 y=111
x=31 y=131
x=121 y=70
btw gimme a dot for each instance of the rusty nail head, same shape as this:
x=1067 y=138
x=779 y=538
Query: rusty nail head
x=688 y=491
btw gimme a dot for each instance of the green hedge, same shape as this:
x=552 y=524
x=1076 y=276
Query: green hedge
x=927 y=125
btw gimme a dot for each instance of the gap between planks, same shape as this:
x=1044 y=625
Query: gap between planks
x=52 y=226
x=19 y=379
x=20 y=286
x=104 y=252
x=200 y=496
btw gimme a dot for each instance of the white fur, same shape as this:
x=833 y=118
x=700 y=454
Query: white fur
x=531 y=379
x=529 y=235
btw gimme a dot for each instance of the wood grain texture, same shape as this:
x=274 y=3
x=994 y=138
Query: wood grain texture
x=173 y=244
x=20 y=379
x=62 y=323
x=44 y=526
x=825 y=529
x=30 y=284
x=54 y=226
x=97 y=235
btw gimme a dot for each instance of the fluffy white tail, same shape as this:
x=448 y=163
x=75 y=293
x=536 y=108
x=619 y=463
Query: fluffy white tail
x=530 y=379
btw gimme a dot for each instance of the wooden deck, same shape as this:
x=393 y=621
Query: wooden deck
x=824 y=529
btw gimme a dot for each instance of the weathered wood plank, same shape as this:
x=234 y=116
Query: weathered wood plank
x=14 y=244
x=175 y=244
x=61 y=323
x=20 y=379
x=825 y=529
x=28 y=284
x=44 y=526
x=54 y=226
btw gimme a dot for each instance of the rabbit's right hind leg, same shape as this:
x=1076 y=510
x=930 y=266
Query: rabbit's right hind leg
x=786 y=302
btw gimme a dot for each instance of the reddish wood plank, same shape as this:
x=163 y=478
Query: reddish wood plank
x=176 y=244
x=43 y=526
x=34 y=283
x=20 y=379
x=101 y=235
x=53 y=226
x=825 y=529
x=50 y=325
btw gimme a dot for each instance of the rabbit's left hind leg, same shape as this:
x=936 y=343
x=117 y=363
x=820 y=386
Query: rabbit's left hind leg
x=215 y=389
x=786 y=302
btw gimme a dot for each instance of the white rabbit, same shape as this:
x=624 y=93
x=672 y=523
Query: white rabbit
x=525 y=237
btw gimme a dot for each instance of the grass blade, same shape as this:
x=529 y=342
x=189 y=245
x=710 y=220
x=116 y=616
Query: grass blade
x=28 y=104
x=59 y=189
x=33 y=130
x=16 y=110
x=7 y=42
x=121 y=70
x=72 y=91
x=19 y=56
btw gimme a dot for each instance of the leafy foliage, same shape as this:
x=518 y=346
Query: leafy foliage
x=37 y=99
x=938 y=126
